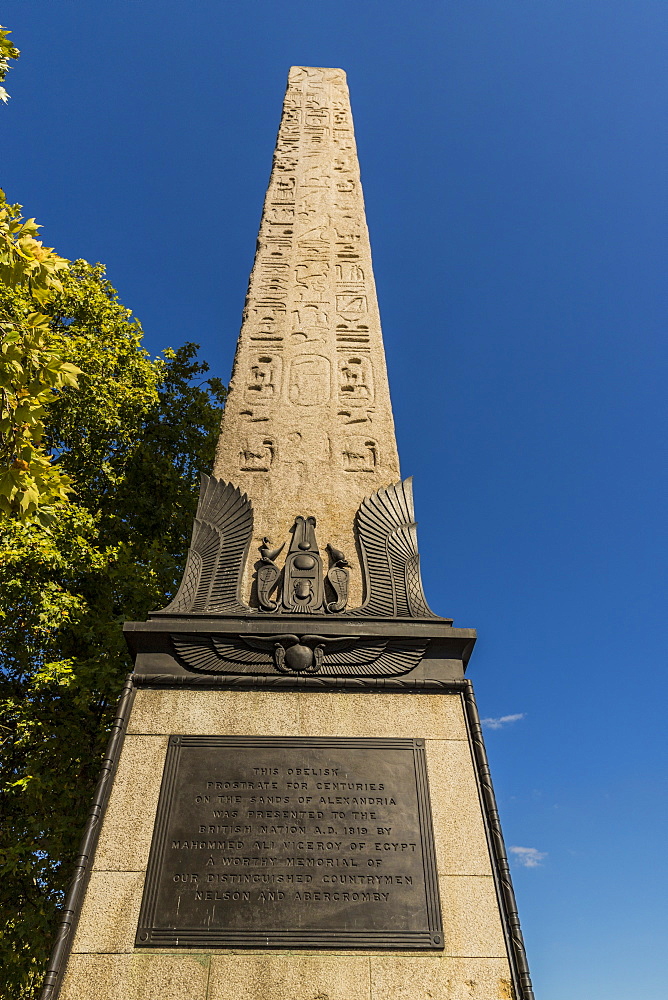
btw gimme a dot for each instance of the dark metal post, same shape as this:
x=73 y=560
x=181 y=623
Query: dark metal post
x=75 y=895
x=517 y=952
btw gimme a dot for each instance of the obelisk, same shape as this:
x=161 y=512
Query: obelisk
x=308 y=418
x=296 y=801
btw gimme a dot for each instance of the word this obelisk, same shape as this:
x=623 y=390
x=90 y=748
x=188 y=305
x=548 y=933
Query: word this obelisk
x=296 y=801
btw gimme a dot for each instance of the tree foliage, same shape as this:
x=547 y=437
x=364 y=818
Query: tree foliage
x=32 y=370
x=7 y=51
x=129 y=434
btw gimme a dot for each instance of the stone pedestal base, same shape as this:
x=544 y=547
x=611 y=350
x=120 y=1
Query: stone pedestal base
x=104 y=963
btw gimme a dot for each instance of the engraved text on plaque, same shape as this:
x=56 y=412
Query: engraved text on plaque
x=292 y=842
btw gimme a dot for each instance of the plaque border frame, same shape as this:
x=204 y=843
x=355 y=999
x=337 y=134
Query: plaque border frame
x=148 y=936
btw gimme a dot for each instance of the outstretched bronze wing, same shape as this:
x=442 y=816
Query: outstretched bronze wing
x=221 y=536
x=212 y=655
x=387 y=534
x=368 y=656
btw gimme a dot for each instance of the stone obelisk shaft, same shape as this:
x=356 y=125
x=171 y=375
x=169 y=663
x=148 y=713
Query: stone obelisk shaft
x=308 y=425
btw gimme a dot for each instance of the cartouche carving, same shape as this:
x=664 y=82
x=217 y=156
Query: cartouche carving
x=355 y=383
x=263 y=379
x=310 y=380
x=303 y=589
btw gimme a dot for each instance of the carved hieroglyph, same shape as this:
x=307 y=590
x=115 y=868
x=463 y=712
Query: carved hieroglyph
x=308 y=425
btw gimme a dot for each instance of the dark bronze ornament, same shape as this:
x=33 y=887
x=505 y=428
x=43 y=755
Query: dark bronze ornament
x=222 y=531
x=340 y=656
x=303 y=589
x=217 y=555
x=387 y=535
x=338 y=578
x=267 y=575
x=293 y=654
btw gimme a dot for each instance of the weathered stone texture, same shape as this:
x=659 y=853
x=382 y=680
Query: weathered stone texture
x=308 y=425
x=136 y=977
x=413 y=978
x=128 y=825
x=277 y=977
x=471 y=925
x=304 y=713
x=273 y=713
x=108 y=921
x=461 y=844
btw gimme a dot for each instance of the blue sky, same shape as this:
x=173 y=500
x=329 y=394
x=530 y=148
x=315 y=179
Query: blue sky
x=513 y=157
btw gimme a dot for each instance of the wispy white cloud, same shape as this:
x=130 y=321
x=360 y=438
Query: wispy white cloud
x=503 y=720
x=528 y=857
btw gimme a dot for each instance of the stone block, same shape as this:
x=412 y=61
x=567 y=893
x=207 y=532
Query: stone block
x=434 y=716
x=461 y=844
x=312 y=713
x=471 y=922
x=108 y=920
x=204 y=713
x=136 y=977
x=289 y=977
x=127 y=830
x=402 y=978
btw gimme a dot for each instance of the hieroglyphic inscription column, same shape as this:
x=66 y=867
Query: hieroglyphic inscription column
x=308 y=424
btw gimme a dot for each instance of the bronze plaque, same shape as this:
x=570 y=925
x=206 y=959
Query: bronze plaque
x=292 y=842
